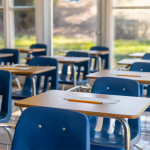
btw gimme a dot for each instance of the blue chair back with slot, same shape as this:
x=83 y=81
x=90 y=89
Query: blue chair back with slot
x=5 y=92
x=103 y=57
x=37 y=46
x=114 y=86
x=146 y=56
x=27 y=88
x=142 y=67
x=13 y=59
x=85 y=65
x=44 y=128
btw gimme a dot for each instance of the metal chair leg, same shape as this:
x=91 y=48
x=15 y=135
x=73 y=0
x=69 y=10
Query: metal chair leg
x=139 y=146
x=88 y=85
x=18 y=83
x=63 y=87
x=9 y=134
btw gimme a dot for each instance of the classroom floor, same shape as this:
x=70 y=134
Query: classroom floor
x=145 y=119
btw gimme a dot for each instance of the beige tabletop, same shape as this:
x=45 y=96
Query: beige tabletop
x=129 y=62
x=92 y=52
x=127 y=107
x=5 y=55
x=66 y=59
x=144 y=77
x=28 y=71
x=137 y=55
x=31 y=50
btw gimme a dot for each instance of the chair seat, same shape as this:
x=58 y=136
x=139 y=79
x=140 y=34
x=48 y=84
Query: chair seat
x=113 y=140
x=70 y=82
x=19 y=95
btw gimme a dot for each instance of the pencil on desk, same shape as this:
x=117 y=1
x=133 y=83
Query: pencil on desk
x=84 y=101
x=129 y=75
x=11 y=69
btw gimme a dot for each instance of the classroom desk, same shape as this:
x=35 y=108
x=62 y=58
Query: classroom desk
x=30 y=51
x=129 y=62
x=72 y=61
x=144 y=77
x=6 y=55
x=127 y=107
x=137 y=55
x=33 y=70
x=92 y=53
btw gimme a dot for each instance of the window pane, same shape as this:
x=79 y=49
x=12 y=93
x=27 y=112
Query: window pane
x=132 y=32
x=1 y=2
x=131 y=2
x=1 y=31
x=24 y=29
x=23 y=2
x=74 y=25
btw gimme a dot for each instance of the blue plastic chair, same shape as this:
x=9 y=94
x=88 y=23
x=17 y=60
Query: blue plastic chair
x=142 y=67
x=11 y=60
x=5 y=92
x=44 y=128
x=27 y=88
x=103 y=57
x=37 y=46
x=114 y=141
x=146 y=56
x=84 y=65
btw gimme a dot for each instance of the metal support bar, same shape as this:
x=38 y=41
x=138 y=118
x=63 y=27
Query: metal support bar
x=139 y=146
x=74 y=75
x=126 y=133
x=9 y=134
x=18 y=83
x=99 y=63
x=33 y=84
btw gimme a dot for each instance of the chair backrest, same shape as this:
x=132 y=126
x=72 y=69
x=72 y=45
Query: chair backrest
x=116 y=86
x=141 y=67
x=146 y=56
x=51 y=128
x=85 y=65
x=103 y=57
x=13 y=59
x=5 y=92
x=41 y=61
x=38 y=46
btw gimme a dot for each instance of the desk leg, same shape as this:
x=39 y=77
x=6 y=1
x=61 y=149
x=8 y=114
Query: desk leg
x=33 y=84
x=99 y=63
x=126 y=133
x=74 y=75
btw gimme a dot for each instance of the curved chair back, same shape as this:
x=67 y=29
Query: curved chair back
x=13 y=59
x=116 y=86
x=84 y=65
x=146 y=56
x=5 y=92
x=142 y=67
x=38 y=46
x=41 y=61
x=51 y=128
x=103 y=57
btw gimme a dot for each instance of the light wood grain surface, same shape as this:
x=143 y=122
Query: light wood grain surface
x=6 y=55
x=144 y=76
x=31 y=50
x=93 y=52
x=128 y=107
x=31 y=70
x=137 y=55
x=131 y=61
x=68 y=60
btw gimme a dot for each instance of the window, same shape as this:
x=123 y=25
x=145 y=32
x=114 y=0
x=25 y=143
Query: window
x=74 y=25
x=131 y=27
